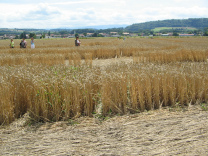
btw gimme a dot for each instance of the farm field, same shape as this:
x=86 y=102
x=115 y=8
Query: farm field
x=165 y=28
x=126 y=81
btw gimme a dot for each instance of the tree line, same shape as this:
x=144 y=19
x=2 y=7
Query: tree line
x=198 y=23
x=201 y=25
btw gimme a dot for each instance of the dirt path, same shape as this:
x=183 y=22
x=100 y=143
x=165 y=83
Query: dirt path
x=107 y=62
x=159 y=132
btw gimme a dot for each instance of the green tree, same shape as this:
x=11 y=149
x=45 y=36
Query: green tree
x=49 y=33
x=120 y=33
x=62 y=32
x=175 y=34
x=43 y=35
x=85 y=34
x=32 y=35
x=206 y=31
x=151 y=32
x=100 y=35
x=76 y=35
x=23 y=35
x=95 y=35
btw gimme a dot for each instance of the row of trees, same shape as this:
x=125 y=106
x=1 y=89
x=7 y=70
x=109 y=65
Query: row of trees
x=93 y=35
x=120 y=32
x=206 y=31
x=175 y=32
x=23 y=35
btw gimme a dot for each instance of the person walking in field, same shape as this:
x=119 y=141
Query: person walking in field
x=77 y=41
x=11 y=44
x=32 y=43
x=23 y=43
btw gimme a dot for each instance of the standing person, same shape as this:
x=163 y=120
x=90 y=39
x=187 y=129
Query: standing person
x=11 y=44
x=23 y=43
x=32 y=43
x=77 y=41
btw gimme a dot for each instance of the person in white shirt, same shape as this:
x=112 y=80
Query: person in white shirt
x=77 y=41
x=32 y=43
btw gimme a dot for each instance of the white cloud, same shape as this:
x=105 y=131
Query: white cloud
x=81 y=13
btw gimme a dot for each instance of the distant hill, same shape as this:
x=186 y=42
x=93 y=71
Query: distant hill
x=198 y=23
x=103 y=26
x=98 y=27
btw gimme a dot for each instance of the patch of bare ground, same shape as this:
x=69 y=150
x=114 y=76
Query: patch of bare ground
x=158 y=132
x=106 y=62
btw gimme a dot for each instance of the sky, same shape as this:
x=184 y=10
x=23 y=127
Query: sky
x=50 y=14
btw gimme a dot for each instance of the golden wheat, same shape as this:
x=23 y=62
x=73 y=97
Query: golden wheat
x=167 y=72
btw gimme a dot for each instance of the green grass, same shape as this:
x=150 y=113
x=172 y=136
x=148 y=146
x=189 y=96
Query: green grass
x=204 y=106
x=158 y=29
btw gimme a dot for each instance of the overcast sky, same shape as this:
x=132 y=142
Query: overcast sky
x=81 y=13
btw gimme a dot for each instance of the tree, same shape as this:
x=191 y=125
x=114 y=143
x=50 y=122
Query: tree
x=175 y=34
x=49 y=33
x=32 y=35
x=85 y=34
x=43 y=36
x=100 y=35
x=206 y=31
x=76 y=35
x=120 y=33
x=62 y=32
x=95 y=35
x=151 y=32
x=23 y=35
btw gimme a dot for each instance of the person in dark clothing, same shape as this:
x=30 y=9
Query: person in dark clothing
x=77 y=41
x=23 y=43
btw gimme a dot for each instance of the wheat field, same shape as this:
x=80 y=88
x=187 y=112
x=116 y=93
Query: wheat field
x=58 y=81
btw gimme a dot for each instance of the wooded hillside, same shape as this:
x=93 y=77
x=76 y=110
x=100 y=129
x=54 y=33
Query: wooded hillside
x=199 y=23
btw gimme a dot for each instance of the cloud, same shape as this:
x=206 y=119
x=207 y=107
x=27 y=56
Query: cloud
x=42 y=12
x=21 y=15
x=81 y=13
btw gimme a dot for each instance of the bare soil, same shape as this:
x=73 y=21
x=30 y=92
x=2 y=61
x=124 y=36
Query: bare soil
x=106 y=62
x=160 y=132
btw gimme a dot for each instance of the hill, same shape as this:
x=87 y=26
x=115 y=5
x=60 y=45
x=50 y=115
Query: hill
x=198 y=23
